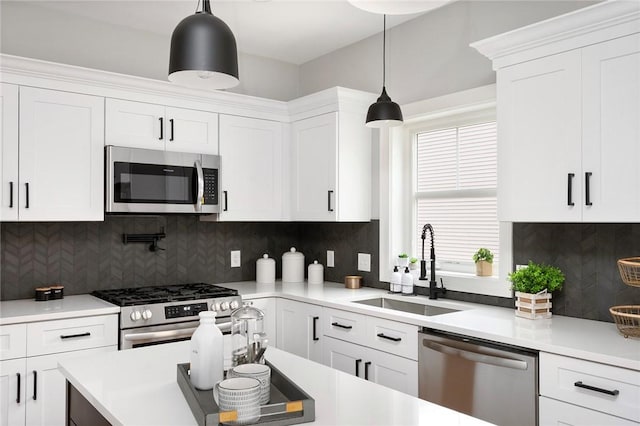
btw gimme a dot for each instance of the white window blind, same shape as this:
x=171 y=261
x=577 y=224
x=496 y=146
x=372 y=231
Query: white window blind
x=456 y=171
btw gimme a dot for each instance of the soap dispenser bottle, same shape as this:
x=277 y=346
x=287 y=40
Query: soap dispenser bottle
x=407 y=282
x=207 y=353
x=395 y=286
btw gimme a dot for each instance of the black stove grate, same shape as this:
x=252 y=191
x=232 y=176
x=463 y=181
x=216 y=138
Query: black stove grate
x=163 y=294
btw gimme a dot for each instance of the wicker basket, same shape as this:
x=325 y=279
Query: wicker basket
x=627 y=319
x=630 y=270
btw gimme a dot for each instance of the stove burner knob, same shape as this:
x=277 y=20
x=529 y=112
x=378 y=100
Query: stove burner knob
x=224 y=306
x=234 y=304
x=215 y=307
x=135 y=315
x=147 y=314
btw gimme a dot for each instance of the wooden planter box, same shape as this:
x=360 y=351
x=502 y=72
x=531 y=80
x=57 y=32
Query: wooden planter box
x=484 y=268
x=533 y=306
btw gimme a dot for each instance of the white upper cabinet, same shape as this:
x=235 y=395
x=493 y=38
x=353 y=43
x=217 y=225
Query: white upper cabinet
x=569 y=117
x=331 y=157
x=151 y=126
x=61 y=156
x=9 y=151
x=252 y=173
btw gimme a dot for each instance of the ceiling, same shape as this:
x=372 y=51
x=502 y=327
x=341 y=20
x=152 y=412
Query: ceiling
x=294 y=31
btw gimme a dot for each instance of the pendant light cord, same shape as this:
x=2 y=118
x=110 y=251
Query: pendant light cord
x=384 y=48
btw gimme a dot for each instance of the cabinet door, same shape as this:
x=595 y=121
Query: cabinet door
x=611 y=130
x=251 y=181
x=134 y=124
x=344 y=356
x=9 y=152
x=12 y=392
x=296 y=324
x=557 y=413
x=268 y=306
x=393 y=372
x=61 y=156
x=314 y=143
x=46 y=388
x=539 y=140
x=188 y=130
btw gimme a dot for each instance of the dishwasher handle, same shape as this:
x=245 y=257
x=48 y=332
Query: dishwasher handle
x=475 y=356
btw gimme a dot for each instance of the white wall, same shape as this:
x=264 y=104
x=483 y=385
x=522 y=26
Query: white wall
x=428 y=56
x=42 y=33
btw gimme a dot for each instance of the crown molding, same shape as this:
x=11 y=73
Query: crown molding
x=330 y=100
x=602 y=21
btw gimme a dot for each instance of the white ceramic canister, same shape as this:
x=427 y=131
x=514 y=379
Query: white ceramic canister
x=207 y=353
x=315 y=273
x=292 y=266
x=266 y=270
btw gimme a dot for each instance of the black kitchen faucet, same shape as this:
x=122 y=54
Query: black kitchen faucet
x=434 y=290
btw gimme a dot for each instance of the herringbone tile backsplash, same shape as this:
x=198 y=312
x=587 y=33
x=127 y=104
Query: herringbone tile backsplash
x=86 y=256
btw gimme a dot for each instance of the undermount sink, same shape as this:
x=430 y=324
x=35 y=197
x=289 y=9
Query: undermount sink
x=409 y=307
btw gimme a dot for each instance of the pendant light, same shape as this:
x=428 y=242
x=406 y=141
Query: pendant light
x=203 y=52
x=384 y=112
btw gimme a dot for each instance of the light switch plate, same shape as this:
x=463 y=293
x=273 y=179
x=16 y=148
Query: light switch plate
x=235 y=258
x=364 y=262
x=330 y=259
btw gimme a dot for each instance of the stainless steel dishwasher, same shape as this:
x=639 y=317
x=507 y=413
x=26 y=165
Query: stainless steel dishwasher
x=491 y=381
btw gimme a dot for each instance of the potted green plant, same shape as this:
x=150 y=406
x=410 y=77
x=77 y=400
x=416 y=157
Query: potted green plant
x=484 y=262
x=403 y=260
x=533 y=286
x=413 y=263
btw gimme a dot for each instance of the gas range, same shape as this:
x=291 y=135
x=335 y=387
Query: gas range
x=160 y=314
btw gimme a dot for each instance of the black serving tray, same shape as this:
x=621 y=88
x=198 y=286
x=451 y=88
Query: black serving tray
x=288 y=404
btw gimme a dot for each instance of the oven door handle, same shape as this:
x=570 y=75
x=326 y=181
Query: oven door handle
x=169 y=334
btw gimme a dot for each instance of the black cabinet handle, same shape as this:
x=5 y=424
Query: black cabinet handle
x=35 y=385
x=18 y=395
x=394 y=339
x=171 y=127
x=72 y=336
x=587 y=190
x=614 y=392
x=10 y=195
x=570 y=177
x=337 y=324
x=226 y=202
x=329 y=193
x=366 y=370
x=358 y=361
x=161 y=128
x=315 y=321
x=26 y=203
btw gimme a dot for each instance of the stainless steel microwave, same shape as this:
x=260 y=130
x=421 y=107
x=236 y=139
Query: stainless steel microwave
x=150 y=181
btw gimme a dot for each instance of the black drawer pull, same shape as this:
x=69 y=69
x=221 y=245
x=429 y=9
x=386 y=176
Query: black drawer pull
x=315 y=322
x=358 y=361
x=171 y=134
x=587 y=190
x=10 y=195
x=161 y=128
x=366 y=370
x=73 y=336
x=35 y=385
x=226 y=201
x=329 y=208
x=614 y=392
x=394 y=339
x=18 y=396
x=26 y=193
x=337 y=324
x=570 y=177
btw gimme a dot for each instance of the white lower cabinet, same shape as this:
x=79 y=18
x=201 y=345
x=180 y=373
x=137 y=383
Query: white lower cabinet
x=299 y=329
x=379 y=367
x=12 y=392
x=557 y=413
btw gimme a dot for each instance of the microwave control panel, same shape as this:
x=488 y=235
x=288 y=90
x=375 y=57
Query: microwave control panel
x=210 y=186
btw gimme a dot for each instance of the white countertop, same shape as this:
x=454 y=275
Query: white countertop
x=587 y=339
x=139 y=387
x=28 y=310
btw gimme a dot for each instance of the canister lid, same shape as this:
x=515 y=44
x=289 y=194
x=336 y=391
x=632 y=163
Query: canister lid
x=315 y=265
x=292 y=253
x=266 y=259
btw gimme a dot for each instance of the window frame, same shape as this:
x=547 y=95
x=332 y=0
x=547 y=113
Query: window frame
x=396 y=188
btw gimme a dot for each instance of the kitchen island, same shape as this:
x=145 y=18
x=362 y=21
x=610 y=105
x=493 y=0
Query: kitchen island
x=139 y=387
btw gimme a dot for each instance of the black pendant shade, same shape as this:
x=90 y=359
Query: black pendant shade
x=384 y=112
x=203 y=52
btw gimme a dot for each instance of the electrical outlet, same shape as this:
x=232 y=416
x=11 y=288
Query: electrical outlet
x=235 y=258
x=330 y=260
x=364 y=262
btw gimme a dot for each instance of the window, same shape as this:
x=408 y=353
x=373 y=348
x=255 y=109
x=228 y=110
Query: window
x=455 y=190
